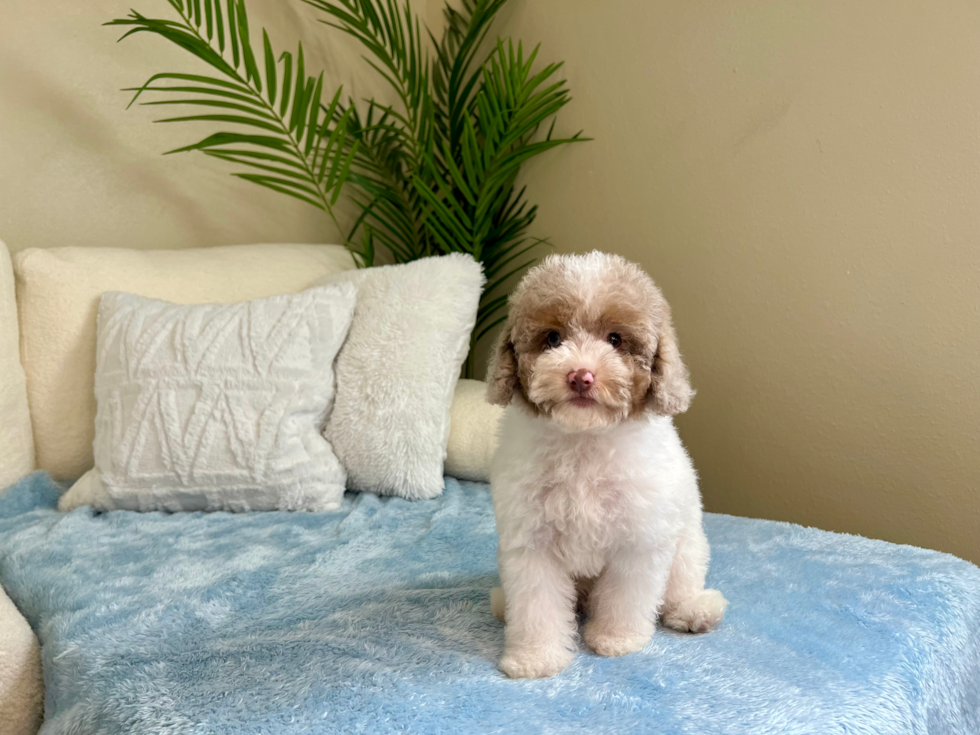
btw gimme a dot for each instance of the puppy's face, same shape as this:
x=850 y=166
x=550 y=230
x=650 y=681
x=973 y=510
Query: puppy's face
x=589 y=343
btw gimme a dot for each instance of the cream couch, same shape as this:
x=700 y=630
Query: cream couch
x=21 y=685
x=50 y=337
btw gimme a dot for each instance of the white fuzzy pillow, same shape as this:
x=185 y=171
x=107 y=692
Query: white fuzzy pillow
x=398 y=369
x=216 y=406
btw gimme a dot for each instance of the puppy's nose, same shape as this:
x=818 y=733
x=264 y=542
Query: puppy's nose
x=580 y=381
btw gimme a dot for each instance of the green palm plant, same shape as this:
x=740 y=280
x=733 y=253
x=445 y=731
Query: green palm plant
x=434 y=173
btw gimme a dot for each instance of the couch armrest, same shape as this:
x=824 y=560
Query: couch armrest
x=16 y=436
x=21 y=683
x=472 y=432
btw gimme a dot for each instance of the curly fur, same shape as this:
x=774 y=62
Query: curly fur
x=596 y=500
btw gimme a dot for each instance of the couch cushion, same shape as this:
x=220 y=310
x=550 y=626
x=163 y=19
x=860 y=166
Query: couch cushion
x=58 y=293
x=16 y=439
x=472 y=433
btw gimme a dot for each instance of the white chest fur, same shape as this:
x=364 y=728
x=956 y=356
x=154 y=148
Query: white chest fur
x=586 y=493
x=580 y=502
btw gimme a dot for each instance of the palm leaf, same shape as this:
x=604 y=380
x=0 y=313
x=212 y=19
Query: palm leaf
x=292 y=148
x=435 y=172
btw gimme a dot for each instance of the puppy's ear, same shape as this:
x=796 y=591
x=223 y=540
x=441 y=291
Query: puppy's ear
x=670 y=389
x=502 y=378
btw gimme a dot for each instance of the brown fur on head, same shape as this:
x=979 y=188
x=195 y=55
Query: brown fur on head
x=586 y=299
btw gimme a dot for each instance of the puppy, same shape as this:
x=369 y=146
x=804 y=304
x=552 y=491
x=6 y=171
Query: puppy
x=596 y=500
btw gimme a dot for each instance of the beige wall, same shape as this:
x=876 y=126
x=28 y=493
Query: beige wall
x=77 y=168
x=803 y=180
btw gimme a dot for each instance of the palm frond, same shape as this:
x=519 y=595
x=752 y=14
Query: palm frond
x=393 y=36
x=382 y=174
x=454 y=78
x=293 y=148
x=474 y=199
x=435 y=172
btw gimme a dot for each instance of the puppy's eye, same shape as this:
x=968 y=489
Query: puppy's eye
x=553 y=339
x=615 y=340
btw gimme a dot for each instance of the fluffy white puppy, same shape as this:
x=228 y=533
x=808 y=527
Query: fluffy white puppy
x=596 y=500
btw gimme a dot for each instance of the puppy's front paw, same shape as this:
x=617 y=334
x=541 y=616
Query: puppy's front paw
x=534 y=663
x=697 y=614
x=608 y=640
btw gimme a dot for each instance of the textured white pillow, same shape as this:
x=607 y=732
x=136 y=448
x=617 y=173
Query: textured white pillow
x=16 y=440
x=397 y=372
x=58 y=294
x=216 y=406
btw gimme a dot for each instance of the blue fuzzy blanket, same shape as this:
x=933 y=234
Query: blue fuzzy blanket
x=376 y=618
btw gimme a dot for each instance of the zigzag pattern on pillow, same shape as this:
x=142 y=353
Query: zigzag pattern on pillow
x=219 y=406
